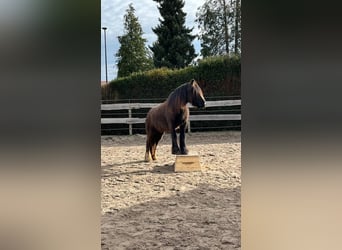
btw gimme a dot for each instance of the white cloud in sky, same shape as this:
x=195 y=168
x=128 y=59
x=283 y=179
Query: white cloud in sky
x=112 y=12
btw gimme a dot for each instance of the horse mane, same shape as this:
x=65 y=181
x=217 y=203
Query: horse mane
x=178 y=97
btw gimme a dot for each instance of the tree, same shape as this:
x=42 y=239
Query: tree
x=219 y=25
x=133 y=55
x=173 y=48
x=237 y=27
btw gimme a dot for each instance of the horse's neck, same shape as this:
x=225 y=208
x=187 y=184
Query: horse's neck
x=181 y=95
x=177 y=100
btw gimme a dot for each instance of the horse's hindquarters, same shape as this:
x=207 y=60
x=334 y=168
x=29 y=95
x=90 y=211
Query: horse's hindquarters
x=156 y=120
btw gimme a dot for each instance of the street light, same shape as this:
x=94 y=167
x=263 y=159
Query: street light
x=104 y=29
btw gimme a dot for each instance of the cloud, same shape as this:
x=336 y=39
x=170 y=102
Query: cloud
x=112 y=12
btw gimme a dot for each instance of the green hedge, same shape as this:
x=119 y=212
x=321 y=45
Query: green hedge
x=217 y=76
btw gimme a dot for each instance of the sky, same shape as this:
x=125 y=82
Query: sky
x=112 y=12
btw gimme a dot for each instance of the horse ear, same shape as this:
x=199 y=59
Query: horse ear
x=192 y=82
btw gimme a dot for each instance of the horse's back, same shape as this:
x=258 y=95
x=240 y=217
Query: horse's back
x=157 y=118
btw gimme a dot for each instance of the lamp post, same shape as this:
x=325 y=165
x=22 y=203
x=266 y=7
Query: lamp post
x=105 y=42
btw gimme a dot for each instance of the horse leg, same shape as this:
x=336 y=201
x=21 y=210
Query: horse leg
x=156 y=139
x=148 y=143
x=175 y=149
x=183 y=149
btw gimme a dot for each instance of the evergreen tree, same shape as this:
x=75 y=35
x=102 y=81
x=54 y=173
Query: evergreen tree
x=219 y=23
x=173 y=48
x=132 y=56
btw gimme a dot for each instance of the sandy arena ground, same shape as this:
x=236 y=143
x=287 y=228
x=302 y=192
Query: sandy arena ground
x=148 y=206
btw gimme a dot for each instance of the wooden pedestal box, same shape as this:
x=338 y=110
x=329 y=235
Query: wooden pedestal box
x=187 y=163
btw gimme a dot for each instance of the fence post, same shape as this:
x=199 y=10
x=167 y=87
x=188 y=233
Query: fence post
x=130 y=124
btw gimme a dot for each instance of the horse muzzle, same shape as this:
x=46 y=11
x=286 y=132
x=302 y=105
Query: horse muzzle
x=201 y=104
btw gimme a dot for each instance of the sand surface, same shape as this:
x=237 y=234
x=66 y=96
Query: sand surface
x=149 y=206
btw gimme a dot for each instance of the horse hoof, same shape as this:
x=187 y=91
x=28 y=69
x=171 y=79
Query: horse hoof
x=147 y=157
x=184 y=152
x=154 y=158
x=175 y=151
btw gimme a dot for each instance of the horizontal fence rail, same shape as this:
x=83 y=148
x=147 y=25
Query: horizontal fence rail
x=135 y=120
x=208 y=104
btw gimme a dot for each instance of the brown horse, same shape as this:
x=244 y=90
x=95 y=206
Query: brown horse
x=170 y=115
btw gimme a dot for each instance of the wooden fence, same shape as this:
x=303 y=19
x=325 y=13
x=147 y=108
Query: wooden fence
x=135 y=120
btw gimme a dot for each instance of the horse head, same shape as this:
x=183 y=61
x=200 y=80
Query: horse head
x=195 y=94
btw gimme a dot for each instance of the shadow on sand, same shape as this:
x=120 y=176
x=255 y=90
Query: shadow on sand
x=203 y=218
x=157 y=169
